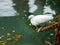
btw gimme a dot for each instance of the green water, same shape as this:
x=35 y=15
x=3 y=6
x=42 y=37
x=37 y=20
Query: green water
x=20 y=25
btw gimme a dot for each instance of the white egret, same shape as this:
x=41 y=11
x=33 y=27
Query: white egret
x=36 y=20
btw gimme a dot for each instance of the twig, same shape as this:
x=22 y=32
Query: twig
x=56 y=25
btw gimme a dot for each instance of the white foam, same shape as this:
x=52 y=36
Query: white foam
x=6 y=8
x=47 y=9
x=32 y=6
x=33 y=9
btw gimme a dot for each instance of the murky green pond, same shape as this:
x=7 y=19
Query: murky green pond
x=13 y=20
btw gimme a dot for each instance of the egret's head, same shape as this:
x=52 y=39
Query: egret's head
x=31 y=16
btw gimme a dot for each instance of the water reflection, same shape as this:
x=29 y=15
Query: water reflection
x=6 y=8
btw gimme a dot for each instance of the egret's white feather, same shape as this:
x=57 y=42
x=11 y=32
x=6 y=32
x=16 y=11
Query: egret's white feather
x=36 y=20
